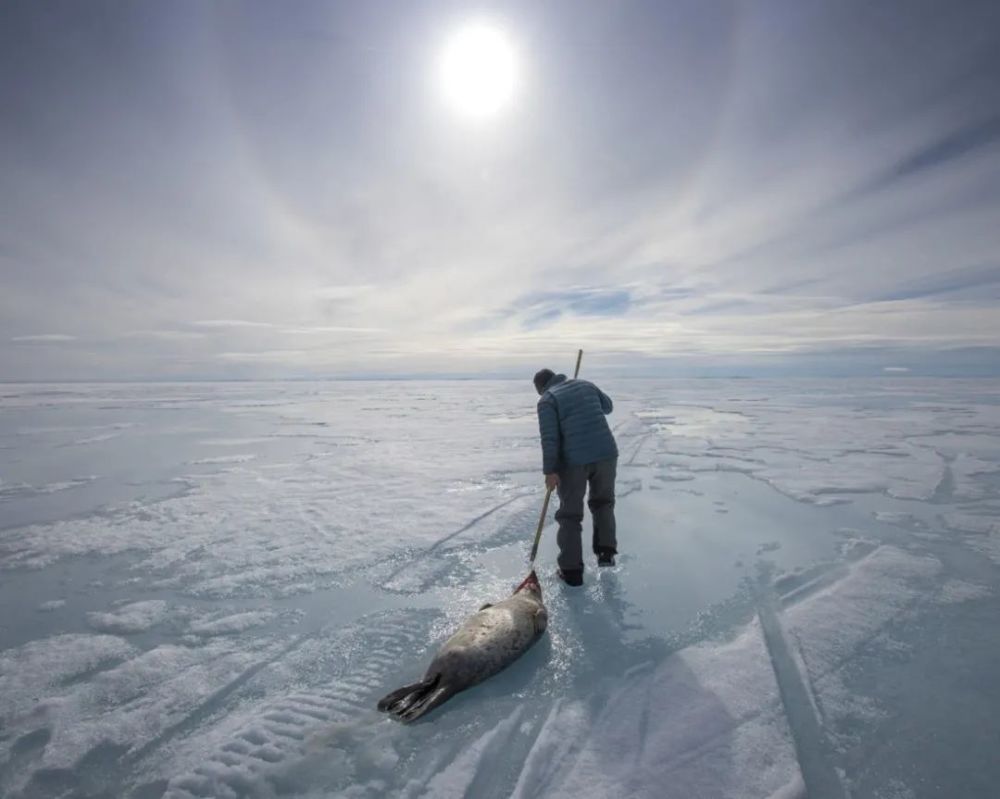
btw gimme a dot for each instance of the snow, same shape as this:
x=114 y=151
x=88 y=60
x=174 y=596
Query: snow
x=962 y=591
x=231 y=575
x=23 y=489
x=29 y=671
x=231 y=624
x=136 y=617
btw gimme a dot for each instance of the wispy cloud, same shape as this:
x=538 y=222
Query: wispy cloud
x=713 y=182
x=279 y=356
x=977 y=283
x=948 y=147
x=43 y=338
x=231 y=323
x=167 y=335
x=343 y=292
x=328 y=330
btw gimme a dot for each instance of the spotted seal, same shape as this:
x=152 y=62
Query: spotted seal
x=487 y=643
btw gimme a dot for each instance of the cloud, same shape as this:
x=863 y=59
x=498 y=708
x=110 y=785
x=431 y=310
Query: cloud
x=710 y=183
x=976 y=282
x=327 y=329
x=952 y=145
x=266 y=355
x=231 y=323
x=343 y=292
x=538 y=308
x=897 y=369
x=44 y=338
x=167 y=335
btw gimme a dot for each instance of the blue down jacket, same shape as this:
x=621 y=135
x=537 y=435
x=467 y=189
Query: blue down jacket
x=572 y=424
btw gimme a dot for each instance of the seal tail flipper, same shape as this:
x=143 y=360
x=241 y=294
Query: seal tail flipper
x=425 y=704
x=411 y=701
x=407 y=694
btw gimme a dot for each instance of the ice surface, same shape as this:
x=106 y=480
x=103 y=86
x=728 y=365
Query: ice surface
x=230 y=624
x=135 y=617
x=963 y=591
x=232 y=574
x=27 y=672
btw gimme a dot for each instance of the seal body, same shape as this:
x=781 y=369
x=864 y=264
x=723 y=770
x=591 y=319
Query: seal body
x=485 y=644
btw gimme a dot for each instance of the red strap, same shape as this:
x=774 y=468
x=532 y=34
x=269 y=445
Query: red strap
x=531 y=578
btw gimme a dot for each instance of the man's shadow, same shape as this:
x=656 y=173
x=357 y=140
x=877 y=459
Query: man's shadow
x=648 y=717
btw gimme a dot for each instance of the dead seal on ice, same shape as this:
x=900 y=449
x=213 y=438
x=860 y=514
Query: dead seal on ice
x=487 y=643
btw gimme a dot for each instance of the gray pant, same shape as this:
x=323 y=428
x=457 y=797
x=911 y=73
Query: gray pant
x=573 y=481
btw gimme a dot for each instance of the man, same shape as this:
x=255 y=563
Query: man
x=578 y=449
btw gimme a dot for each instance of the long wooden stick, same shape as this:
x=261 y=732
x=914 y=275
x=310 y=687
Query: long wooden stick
x=541 y=524
x=548 y=491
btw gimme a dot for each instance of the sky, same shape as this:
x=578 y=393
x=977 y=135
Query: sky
x=196 y=190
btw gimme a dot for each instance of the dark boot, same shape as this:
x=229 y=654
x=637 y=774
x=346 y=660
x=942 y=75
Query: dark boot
x=573 y=577
x=606 y=557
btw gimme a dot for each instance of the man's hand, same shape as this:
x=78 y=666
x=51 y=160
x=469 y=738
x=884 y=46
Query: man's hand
x=552 y=481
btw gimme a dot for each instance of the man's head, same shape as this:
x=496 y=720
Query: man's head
x=542 y=378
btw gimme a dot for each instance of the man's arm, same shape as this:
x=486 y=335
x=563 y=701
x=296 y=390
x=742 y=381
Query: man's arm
x=606 y=405
x=548 y=429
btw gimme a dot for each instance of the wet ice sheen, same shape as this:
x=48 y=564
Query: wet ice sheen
x=218 y=620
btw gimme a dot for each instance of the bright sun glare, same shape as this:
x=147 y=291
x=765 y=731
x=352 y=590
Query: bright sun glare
x=478 y=70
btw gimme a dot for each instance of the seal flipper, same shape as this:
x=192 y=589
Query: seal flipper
x=412 y=701
x=540 y=620
x=400 y=695
x=426 y=703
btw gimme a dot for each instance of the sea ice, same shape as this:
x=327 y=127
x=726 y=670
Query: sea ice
x=135 y=617
x=258 y=563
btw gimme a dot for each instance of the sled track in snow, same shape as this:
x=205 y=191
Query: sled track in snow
x=265 y=745
x=192 y=720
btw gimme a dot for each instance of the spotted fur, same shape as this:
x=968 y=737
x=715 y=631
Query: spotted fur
x=486 y=644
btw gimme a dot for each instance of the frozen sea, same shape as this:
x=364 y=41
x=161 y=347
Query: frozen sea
x=204 y=588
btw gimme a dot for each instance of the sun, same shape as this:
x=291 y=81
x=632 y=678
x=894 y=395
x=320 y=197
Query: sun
x=478 y=70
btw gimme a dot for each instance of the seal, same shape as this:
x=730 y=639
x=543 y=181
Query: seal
x=486 y=644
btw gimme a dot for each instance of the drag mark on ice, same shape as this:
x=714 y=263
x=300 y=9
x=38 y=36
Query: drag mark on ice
x=442 y=541
x=820 y=778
